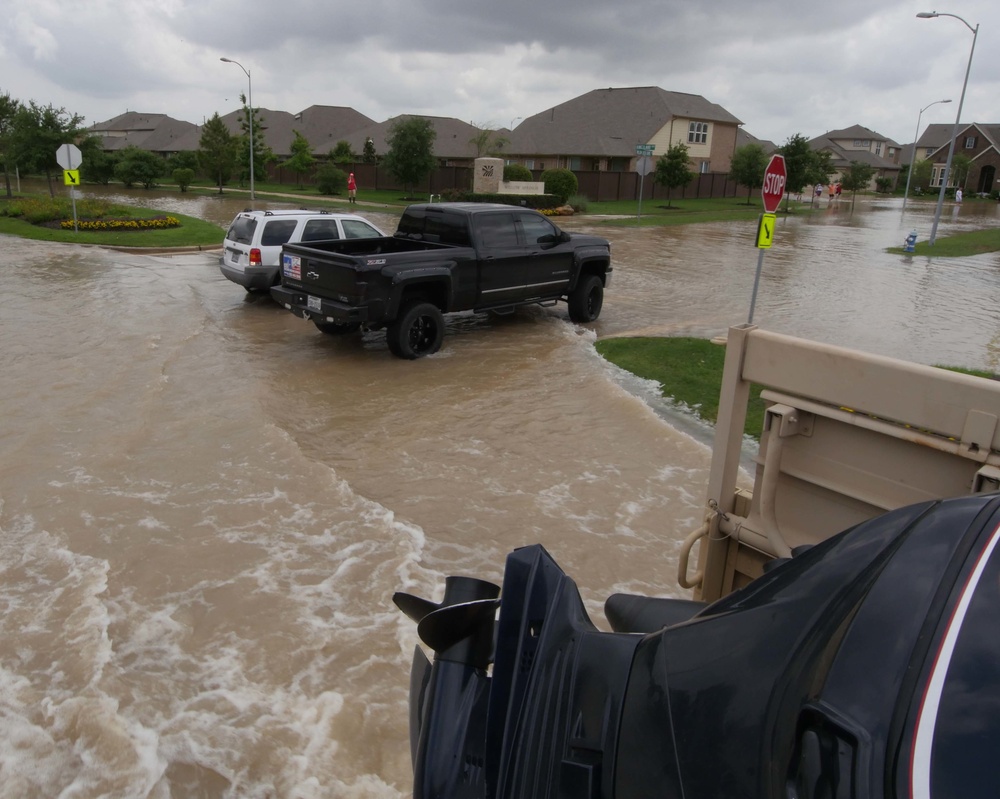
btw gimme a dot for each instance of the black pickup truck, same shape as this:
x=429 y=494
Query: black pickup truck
x=444 y=257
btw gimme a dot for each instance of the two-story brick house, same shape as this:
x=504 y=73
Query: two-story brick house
x=599 y=131
x=977 y=141
x=860 y=144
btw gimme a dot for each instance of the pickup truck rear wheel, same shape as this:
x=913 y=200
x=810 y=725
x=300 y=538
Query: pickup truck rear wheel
x=417 y=331
x=586 y=299
x=337 y=328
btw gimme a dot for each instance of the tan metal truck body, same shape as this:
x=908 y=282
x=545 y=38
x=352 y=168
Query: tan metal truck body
x=847 y=435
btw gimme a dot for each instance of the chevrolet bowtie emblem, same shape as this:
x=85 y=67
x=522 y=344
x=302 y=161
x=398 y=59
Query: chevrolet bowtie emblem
x=312 y=275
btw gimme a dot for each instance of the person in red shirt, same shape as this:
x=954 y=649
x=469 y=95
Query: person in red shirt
x=352 y=189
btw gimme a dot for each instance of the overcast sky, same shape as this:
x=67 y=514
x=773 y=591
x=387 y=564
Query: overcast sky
x=781 y=66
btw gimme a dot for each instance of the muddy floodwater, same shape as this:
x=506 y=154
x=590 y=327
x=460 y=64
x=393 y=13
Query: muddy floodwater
x=206 y=505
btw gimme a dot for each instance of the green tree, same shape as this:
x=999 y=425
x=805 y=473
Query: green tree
x=920 y=180
x=262 y=154
x=560 y=182
x=411 y=151
x=487 y=141
x=819 y=167
x=186 y=159
x=8 y=113
x=139 y=166
x=672 y=169
x=183 y=177
x=517 y=172
x=330 y=179
x=369 y=156
x=97 y=166
x=341 y=153
x=217 y=151
x=804 y=165
x=302 y=159
x=883 y=185
x=38 y=132
x=747 y=167
x=857 y=177
x=961 y=165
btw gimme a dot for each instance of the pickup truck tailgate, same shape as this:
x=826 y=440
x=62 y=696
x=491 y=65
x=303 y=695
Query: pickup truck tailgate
x=327 y=276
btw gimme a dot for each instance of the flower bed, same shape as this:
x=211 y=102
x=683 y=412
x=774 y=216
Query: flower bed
x=104 y=225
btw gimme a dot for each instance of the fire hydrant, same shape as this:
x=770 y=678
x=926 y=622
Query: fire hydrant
x=911 y=241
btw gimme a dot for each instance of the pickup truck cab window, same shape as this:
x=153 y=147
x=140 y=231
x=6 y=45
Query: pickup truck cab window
x=538 y=230
x=497 y=230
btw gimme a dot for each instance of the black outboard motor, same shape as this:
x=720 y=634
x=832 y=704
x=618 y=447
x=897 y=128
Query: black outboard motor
x=807 y=682
x=546 y=721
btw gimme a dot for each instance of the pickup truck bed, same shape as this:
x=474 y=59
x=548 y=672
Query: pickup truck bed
x=444 y=258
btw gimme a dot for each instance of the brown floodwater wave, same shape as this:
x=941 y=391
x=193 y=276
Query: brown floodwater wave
x=205 y=505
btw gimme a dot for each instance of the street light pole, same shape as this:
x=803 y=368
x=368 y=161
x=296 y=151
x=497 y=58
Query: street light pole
x=958 y=116
x=913 y=157
x=253 y=196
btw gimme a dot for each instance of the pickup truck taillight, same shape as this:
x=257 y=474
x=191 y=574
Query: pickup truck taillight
x=255 y=257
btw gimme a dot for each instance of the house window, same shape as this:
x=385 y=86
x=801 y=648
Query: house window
x=878 y=148
x=529 y=162
x=697 y=132
x=574 y=163
x=970 y=142
x=703 y=167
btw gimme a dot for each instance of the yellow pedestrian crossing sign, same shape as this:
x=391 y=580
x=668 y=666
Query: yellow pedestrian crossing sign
x=765 y=231
x=71 y=177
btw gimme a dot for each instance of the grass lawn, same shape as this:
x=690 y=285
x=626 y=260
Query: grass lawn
x=975 y=242
x=689 y=371
x=191 y=231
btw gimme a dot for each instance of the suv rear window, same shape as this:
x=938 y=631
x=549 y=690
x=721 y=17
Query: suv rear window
x=277 y=232
x=320 y=230
x=355 y=229
x=241 y=231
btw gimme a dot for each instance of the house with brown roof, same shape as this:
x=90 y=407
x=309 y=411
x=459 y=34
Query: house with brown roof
x=599 y=131
x=453 y=140
x=977 y=141
x=157 y=133
x=321 y=125
x=862 y=145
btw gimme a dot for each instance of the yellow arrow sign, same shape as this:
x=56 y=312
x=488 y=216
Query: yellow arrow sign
x=71 y=177
x=765 y=231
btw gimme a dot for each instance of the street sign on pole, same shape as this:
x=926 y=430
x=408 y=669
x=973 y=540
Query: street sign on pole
x=643 y=165
x=775 y=178
x=772 y=190
x=69 y=157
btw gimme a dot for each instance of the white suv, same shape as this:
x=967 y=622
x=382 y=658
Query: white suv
x=251 y=254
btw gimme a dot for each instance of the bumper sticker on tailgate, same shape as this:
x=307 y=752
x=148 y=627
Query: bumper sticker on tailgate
x=291 y=266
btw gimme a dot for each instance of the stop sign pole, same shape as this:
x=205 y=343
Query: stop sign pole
x=772 y=190
x=69 y=157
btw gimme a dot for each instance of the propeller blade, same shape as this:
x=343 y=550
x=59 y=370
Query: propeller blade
x=412 y=606
x=446 y=626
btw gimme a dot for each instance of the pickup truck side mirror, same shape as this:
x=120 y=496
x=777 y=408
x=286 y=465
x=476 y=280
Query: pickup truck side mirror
x=559 y=237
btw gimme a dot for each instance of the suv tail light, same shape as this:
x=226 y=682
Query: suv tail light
x=255 y=257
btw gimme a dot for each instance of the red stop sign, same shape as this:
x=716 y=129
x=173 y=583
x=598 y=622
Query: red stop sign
x=775 y=178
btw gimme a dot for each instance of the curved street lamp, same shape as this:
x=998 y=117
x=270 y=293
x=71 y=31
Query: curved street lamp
x=913 y=157
x=250 y=102
x=958 y=116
